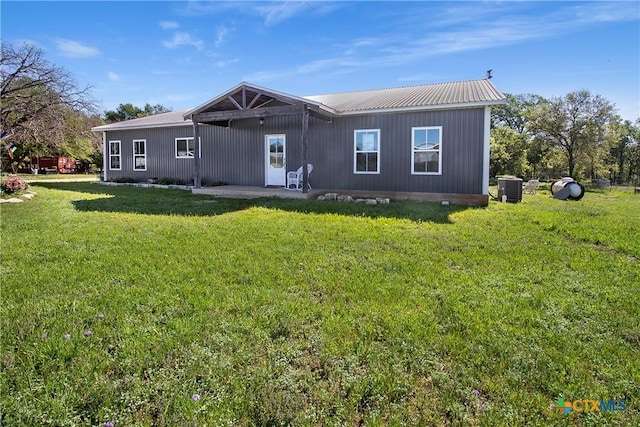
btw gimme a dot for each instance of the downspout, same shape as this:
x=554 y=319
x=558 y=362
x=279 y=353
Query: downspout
x=485 y=151
x=104 y=156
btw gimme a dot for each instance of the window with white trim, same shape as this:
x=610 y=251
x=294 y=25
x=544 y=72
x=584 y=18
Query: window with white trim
x=139 y=154
x=185 y=147
x=366 y=151
x=114 y=155
x=426 y=150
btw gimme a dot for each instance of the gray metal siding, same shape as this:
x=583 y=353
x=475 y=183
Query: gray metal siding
x=462 y=154
x=237 y=155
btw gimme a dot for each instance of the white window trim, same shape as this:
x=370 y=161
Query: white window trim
x=175 y=147
x=115 y=155
x=355 y=153
x=413 y=150
x=144 y=141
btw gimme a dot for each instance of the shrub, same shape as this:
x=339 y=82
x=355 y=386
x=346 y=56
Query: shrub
x=13 y=185
x=125 y=179
x=172 y=181
x=165 y=181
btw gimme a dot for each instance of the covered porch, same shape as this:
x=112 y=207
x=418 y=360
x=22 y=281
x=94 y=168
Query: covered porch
x=250 y=102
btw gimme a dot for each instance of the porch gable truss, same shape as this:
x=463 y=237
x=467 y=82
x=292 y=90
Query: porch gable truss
x=249 y=101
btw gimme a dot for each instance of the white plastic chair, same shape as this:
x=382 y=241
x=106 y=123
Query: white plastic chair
x=294 y=179
x=531 y=186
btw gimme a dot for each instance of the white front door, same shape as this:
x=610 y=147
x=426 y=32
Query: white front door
x=275 y=160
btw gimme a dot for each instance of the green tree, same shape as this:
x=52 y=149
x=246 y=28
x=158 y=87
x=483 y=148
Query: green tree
x=129 y=111
x=623 y=136
x=633 y=154
x=515 y=116
x=508 y=152
x=575 y=124
x=515 y=113
x=82 y=144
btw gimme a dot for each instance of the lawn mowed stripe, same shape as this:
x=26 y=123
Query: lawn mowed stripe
x=305 y=312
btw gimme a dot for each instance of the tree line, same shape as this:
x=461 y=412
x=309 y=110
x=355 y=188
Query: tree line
x=578 y=135
x=45 y=113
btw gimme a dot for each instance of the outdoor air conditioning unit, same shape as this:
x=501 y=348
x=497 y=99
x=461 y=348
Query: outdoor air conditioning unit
x=510 y=190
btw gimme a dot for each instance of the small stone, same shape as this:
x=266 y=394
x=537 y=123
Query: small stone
x=321 y=198
x=14 y=200
x=371 y=202
x=382 y=200
x=27 y=196
x=331 y=196
x=359 y=200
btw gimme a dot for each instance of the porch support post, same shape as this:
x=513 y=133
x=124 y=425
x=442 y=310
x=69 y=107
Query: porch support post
x=305 y=129
x=106 y=157
x=196 y=156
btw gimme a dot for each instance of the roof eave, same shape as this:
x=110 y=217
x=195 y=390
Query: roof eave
x=105 y=128
x=423 y=108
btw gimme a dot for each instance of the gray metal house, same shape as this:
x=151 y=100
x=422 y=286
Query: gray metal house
x=429 y=140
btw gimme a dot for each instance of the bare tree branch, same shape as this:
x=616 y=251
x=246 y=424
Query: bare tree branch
x=36 y=99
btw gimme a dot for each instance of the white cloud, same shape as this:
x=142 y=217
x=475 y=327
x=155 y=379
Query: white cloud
x=183 y=39
x=421 y=77
x=168 y=25
x=74 y=49
x=113 y=76
x=459 y=27
x=274 y=13
x=222 y=64
x=221 y=34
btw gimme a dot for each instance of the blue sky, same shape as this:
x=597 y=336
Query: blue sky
x=180 y=54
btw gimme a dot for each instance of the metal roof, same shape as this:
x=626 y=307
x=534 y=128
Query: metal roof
x=172 y=118
x=430 y=96
x=470 y=93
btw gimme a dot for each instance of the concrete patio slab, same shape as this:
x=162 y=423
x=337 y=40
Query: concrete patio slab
x=246 y=192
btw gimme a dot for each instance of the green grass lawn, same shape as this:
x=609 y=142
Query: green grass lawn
x=59 y=177
x=206 y=311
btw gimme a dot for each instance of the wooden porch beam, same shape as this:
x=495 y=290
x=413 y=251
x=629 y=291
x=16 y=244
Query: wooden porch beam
x=286 y=110
x=244 y=98
x=254 y=100
x=305 y=169
x=234 y=102
x=197 y=181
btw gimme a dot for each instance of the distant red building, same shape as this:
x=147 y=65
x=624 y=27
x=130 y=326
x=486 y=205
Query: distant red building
x=51 y=164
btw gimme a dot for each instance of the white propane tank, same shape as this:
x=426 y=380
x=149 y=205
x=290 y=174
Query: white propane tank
x=567 y=188
x=575 y=190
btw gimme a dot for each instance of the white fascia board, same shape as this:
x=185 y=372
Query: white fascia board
x=459 y=106
x=106 y=128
